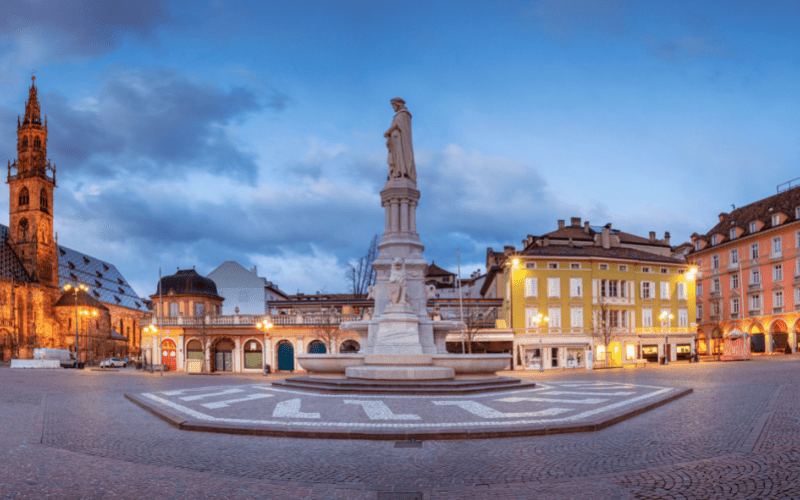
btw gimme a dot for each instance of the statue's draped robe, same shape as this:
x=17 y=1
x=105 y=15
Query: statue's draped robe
x=401 y=152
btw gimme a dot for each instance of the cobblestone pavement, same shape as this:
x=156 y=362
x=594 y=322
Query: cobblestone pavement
x=71 y=434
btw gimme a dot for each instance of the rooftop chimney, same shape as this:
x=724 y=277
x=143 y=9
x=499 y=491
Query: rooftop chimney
x=666 y=237
x=508 y=250
x=722 y=216
x=575 y=222
x=561 y=223
x=606 y=237
x=586 y=227
x=652 y=236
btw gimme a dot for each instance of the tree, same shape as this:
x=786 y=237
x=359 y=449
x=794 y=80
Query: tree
x=602 y=328
x=327 y=329
x=362 y=275
x=474 y=322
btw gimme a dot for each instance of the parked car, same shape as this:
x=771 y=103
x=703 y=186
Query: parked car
x=66 y=358
x=113 y=363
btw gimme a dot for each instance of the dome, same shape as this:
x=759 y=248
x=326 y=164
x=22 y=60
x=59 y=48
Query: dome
x=187 y=282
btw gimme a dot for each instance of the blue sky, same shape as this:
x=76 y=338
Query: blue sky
x=191 y=133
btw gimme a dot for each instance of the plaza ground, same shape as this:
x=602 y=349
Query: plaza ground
x=72 y=434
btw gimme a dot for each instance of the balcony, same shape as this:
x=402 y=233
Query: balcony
x=734 y=267
x=735 y=315
x=797 y=278
x=715 y=294
x=754 y=312
x=776 y=256
x=754 y=287
x=777 y=310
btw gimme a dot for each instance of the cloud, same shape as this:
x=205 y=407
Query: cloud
x=152 y=122
x=55 y=29
x=689 y=48
x=563 y=20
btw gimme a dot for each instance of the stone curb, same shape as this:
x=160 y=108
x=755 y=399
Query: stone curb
x=393 y=435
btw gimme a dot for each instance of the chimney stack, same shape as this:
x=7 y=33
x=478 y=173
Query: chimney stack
x=508 y=250
x=606 y=238
x=652 y=236
x=586 y=227
x=666 y=237
x=575 y=222
x=561 y=223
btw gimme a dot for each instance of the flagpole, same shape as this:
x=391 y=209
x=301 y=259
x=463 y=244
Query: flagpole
x=460 y=300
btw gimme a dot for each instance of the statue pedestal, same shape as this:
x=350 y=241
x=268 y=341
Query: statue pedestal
x=398 y=331
x=399 y=367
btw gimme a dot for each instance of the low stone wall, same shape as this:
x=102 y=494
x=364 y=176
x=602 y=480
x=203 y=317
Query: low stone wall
x=35 y=363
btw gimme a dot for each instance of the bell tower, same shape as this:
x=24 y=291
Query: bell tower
x=31 y=180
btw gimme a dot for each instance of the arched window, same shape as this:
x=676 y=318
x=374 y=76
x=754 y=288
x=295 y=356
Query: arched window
x=24 y=143
x=37 y=143
x=23 y=229
x=24 y=197
x=43 y=198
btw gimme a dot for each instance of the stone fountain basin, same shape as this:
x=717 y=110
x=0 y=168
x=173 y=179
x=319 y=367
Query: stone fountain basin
x=461 y=363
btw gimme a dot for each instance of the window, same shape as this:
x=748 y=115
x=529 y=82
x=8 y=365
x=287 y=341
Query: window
x=683 y=317
x=777 y=299
x=796 y=296
x=576 y=317
x=735 y=256
x=715 y=262
x=714 y=309
x=530 y=265
x=554 y=313
x=697 y=245
x=604 y=267
x=776 y=219
x=647 y=317
x=665 y=290
x=23 y=229
x=554 y=287
x=755 y=302
x=699 y=312
x=777 y=272
x=714 y=239
x=613 y=288
x=575 y=265
x=613 y=319
x=664 y=270
x=199 y=309
x=647 y=290
x=754 y=251
x=776 y=245
x=715 y=288
x=735 y=305
x=732 y=233
x=531 y=286
x=797 y=213
x=623 y=267
x=576 y=287
x=530 y=313
x=645 y=269
x=681 y=291
x=43 y=199
x=735 y=281
x=24 y=197
x=37 y=143
x=797 y=239
x=755 y=277
x=173 y=309
x=698 y=290
x=552 y=265
x=753 y=227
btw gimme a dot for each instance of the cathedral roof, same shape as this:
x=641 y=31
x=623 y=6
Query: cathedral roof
x=32 y=113
x=79 y=299
x=10 y=265
x=105 y=282
x=187 y=282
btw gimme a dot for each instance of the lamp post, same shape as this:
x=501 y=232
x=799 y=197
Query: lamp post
x=153 y=330
x=665 y=318
x=88 y=314
x=264 y=326
x=75 y=288
x=538 y=320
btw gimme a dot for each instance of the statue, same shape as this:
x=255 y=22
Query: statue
x=398 y=141
x=397 y=282
x=430 y=292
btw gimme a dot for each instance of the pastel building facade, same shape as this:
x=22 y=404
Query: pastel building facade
x=749 y=275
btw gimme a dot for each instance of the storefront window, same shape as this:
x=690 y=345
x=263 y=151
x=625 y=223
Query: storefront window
x=575 y=358
x=630 y=352
x=533 y=359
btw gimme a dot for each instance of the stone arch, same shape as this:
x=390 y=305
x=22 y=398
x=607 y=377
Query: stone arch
x=222 y=354
x=316 y=346
x=253 y=354
x=44 y=201
x=24 y=196
x=702 y=342
x=23 y=229
x=757 y=337
x=779 y=336
x=284 y=356
x=349 y=346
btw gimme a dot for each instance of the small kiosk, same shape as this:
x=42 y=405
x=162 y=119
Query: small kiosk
x=736 y=346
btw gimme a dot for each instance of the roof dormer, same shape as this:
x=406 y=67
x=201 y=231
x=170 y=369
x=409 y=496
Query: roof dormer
x=754 y=226
x=777 y=217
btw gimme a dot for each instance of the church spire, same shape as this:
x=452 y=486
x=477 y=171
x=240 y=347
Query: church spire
x=32 y=114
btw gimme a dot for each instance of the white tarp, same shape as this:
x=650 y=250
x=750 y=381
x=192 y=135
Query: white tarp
x=35 y=363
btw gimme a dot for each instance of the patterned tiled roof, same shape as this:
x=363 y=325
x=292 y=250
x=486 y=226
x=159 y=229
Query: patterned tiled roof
x=434 y=270
x=10 y=265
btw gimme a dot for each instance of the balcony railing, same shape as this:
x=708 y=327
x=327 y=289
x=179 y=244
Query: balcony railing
x=754 y=286
x=754 y=312
x=250 y=320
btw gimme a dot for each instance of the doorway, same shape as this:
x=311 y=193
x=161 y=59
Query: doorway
x=169 y=354
x=286 y=356
x=223 y=356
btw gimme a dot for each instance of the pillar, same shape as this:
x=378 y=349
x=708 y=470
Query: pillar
x=395 y=216
x=404 y=215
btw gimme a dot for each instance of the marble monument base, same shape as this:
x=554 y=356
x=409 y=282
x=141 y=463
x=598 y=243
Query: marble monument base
x=399 y=367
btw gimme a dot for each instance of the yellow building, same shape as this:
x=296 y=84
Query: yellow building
x=580 y=292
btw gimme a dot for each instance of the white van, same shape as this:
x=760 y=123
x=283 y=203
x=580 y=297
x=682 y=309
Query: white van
x=63 y=355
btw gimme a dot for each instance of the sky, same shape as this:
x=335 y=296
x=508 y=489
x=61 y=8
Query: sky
x=190 y=133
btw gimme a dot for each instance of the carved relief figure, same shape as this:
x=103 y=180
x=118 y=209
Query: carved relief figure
x=399 y=143
x=397 y=282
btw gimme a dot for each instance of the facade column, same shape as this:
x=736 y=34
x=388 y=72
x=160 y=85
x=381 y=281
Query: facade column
x=237 y=355
x=181 y=358
x=404 y=215
x=412 y=217
x=395 y=216
x=768 y=340
x=387 y=210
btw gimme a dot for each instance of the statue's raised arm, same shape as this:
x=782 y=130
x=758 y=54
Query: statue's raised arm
x=398 y=141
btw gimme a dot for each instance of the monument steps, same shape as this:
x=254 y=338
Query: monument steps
x=435 y=387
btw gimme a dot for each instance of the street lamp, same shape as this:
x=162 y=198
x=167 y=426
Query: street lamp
x=88 y=314
x=665 y=318
x=75 y=289
x=264 y=326
x=538 y=320
x=152 y=330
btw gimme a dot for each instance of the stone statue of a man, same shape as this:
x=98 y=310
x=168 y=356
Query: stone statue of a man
x=397 y=282
x=398 y=141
